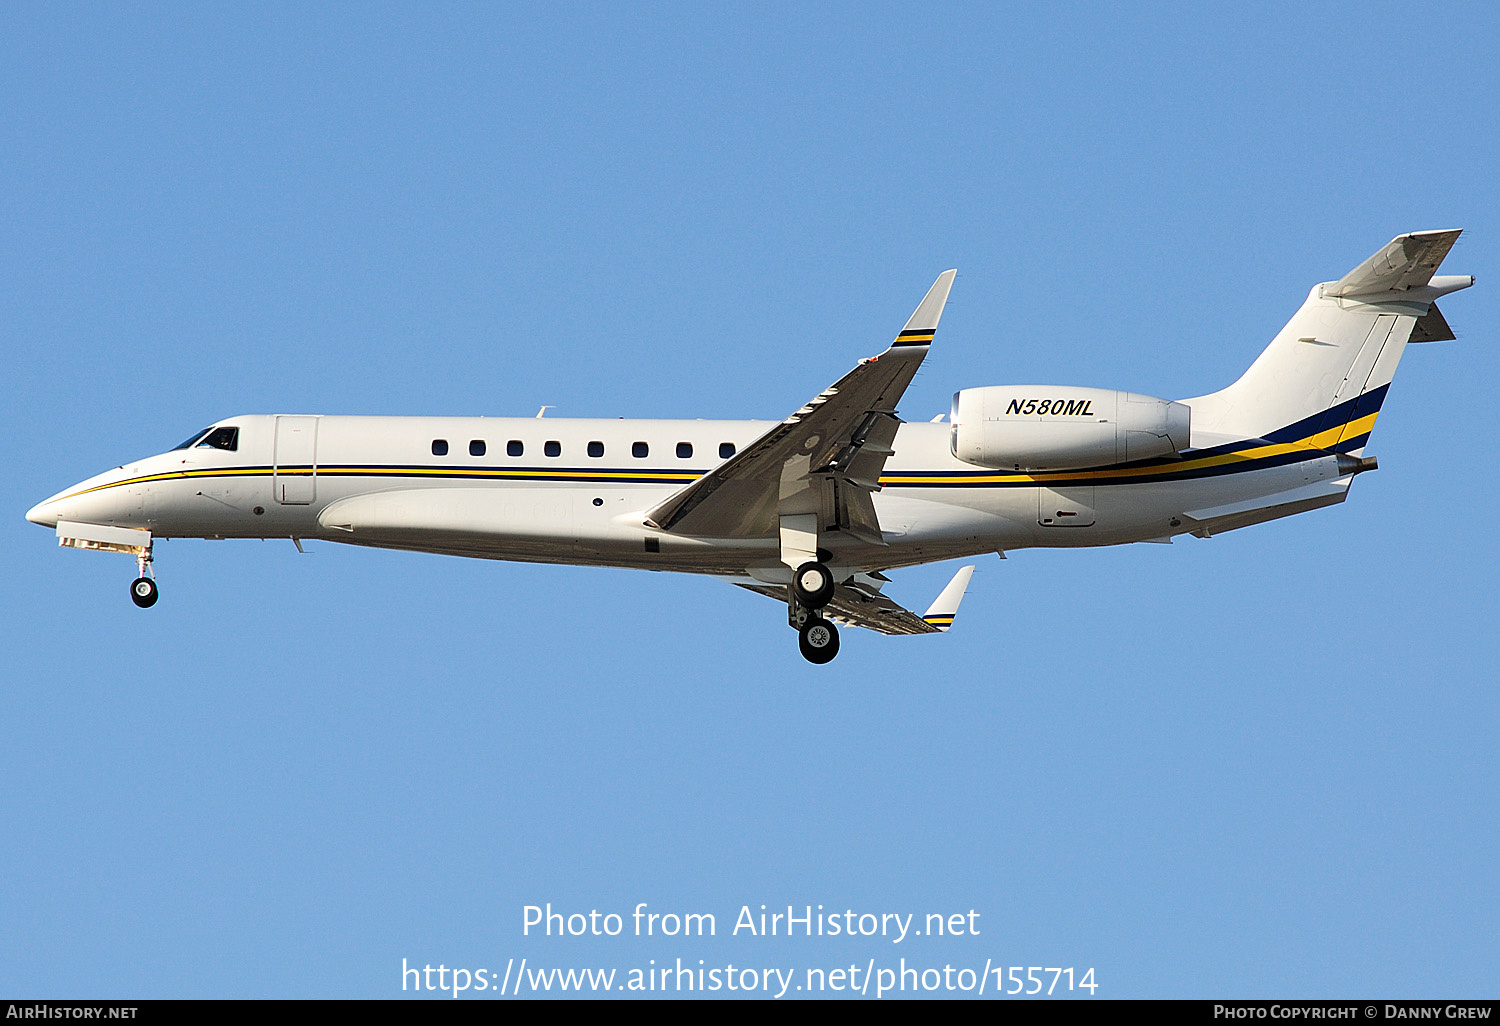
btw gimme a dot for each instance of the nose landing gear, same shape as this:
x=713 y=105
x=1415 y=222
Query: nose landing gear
x=143 y=590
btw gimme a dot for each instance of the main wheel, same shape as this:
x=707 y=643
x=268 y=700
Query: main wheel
x=819 y=640
x=812 y=585
x=143 y=592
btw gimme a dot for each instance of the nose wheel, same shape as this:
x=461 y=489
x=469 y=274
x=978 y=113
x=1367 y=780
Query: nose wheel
x=143 y=589
x=143 y=592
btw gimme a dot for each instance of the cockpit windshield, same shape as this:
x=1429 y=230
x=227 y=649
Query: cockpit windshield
x=226 y=438
x=189 y=443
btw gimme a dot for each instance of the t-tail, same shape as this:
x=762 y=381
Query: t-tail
x=1321 y=381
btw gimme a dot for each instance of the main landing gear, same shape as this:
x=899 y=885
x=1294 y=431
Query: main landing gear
x=818 y=639
x=143 y=589
x=811 y=588
x=812 y=585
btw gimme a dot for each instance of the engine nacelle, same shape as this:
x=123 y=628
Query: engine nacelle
x=1050 y=427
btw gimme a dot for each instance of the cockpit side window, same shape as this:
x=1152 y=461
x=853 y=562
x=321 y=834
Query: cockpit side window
x=189 y=443
x=226 y=438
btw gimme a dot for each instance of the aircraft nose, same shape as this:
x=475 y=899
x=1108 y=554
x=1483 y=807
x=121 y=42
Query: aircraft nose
x=44 y=513
x=93 y=501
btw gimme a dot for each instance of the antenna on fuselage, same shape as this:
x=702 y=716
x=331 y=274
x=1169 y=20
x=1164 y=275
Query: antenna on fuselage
x=542 y=412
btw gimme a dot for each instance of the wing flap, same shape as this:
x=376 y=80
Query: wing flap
x=853 y=606
x=859 y=602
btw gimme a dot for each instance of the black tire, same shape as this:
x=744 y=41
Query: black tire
x=819 y=640
x=812 y=585
x=143 y=592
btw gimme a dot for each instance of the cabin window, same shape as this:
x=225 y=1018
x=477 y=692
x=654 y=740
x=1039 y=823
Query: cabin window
x=476 y=447
x=226 y=438
x=440 y=446
x=514 y=447
x=640 y=450
x=195 y=436
x=552 y=448
x=726 y=450
x=684 y=450
x=596 y=449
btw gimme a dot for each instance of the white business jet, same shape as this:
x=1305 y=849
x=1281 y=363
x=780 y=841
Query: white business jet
x=810 y=510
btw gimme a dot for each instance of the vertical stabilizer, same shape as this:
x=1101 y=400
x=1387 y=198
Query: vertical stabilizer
x=1323 y=378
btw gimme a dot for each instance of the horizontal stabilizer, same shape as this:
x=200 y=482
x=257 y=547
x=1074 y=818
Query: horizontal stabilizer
x=1432 y=327
x=1407 y=262
x=941 y=613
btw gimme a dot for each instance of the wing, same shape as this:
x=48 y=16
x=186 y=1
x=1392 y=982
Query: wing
x=859 y=603
x=826 y=458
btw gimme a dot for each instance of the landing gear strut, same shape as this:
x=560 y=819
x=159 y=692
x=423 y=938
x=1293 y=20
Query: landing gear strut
x=811 y=587
x=143 y=589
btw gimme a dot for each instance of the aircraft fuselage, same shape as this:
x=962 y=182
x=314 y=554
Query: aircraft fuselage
x=379 y=481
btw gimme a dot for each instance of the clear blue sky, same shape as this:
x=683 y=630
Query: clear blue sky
x=1262 y=764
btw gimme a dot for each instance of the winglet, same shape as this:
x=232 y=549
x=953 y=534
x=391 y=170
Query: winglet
x=941 y=613
x=924 y=321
